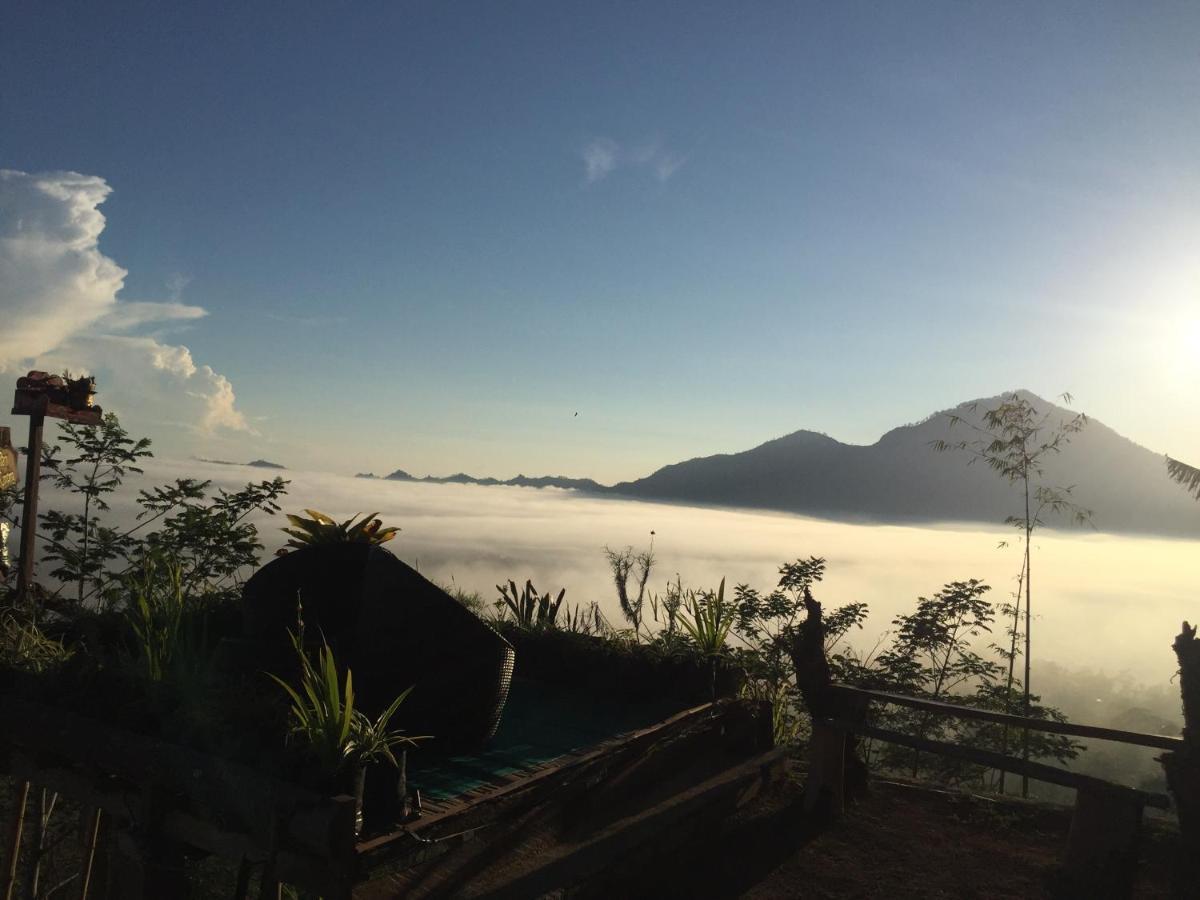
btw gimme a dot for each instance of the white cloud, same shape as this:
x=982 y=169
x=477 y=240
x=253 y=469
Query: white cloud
x=131 y=314
x=603 y=155
x=53 y=279
x=60 y=306
x=667 y=165
x=599 y=158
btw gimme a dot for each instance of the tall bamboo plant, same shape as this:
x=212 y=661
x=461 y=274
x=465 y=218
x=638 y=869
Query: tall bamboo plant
x=1015 y=440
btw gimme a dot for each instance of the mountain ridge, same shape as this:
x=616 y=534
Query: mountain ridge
x=900 y=478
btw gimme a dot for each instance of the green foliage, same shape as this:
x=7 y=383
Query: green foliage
x=321 y=529
x=769 y=624
x=98 y=459
x=527 y=608
x=326 y=721
x=26 y=648
x=155 y=615
x=374 y=741
x=209 y=538
x=322 y=711
x=708 y=620
x=588 y=620
x=933 y=654
x=1014 y=440
x=670 y=603
x=472 y=600
x=932 y=651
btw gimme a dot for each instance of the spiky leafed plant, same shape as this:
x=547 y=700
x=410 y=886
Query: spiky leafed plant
x=708 y=621
x=321 y=529
x=155 y=615
x=528 y=608
x=322 y=713
x=324 y=716
x=374 y=741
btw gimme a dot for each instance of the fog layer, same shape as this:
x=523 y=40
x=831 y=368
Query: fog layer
x=1101 y=602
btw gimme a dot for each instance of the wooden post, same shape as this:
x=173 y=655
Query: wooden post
x=1102 y=845
x=241 y=890
x=825 y=788
x=33 y=471
x=149 y=864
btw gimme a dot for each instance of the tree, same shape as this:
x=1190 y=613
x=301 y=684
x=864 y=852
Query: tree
x=934 y=654
x=1015 y=440
x=769 y=625
x=209 y=537
x=624 y=563
x=100 y=458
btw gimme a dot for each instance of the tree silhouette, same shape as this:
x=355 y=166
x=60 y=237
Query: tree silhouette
x=1014 y=440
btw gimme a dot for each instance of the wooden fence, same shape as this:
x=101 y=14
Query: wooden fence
x=1105 y=825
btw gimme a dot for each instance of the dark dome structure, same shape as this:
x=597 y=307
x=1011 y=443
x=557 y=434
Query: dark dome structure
x=394 y=629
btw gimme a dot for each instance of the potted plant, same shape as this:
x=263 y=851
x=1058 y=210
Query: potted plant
x=339 y=740
x=381 y=754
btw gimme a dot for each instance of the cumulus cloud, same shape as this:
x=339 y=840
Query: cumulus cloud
x=53 y=278
x=603 y=155
x=61 y=309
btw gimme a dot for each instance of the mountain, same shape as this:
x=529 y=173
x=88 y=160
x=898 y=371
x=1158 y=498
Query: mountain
x=257 y=463
x=264 y=464
x=541 y=481
x=900 y=478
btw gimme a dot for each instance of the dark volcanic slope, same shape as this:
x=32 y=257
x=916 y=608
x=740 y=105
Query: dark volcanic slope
x=901 y=478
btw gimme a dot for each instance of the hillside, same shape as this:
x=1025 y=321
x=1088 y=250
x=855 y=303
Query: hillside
x=900 y=478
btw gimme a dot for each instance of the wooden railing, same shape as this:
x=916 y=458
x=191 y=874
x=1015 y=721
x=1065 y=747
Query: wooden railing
x=1102 y=842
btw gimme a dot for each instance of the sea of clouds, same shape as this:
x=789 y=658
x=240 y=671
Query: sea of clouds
x=1107 y=602
x=1106 y=606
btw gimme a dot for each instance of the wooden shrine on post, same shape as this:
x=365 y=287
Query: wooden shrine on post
x=41 y=395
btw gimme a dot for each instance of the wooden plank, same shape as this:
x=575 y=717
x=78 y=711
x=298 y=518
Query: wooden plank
x=572 y=770
x=1035 y=770
x=1159 y=741
x=674 y=821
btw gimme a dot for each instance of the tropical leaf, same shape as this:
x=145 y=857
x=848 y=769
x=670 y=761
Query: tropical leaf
x=1188 y=476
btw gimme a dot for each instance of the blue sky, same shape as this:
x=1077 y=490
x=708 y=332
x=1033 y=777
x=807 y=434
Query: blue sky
x=426 y=234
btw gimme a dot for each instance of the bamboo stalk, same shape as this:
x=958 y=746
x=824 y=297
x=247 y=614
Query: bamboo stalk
x=16 y=831
x=91 y=838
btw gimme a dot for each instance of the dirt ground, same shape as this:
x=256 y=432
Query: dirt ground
x=900 y=842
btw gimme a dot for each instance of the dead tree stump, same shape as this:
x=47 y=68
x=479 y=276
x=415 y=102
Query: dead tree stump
x=836 y=772
x=1183 y=766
